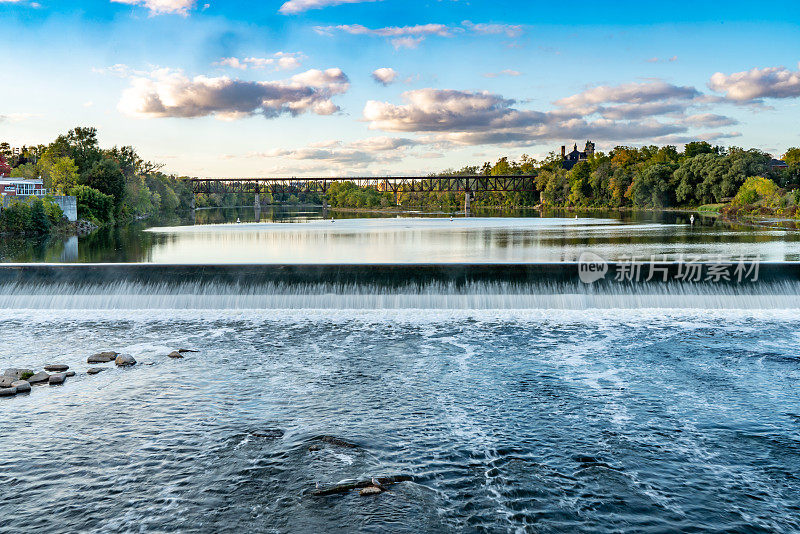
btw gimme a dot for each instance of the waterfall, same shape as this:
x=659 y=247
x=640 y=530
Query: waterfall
x=536 y=286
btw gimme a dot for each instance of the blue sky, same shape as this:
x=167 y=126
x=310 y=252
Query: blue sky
x=323 y=87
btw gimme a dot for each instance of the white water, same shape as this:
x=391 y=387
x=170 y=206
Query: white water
x=476 y=296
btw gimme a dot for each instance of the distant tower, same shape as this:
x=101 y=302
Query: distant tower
x=589 y=149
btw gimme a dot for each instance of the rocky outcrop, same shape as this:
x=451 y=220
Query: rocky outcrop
x=57 y=379
x=175 y=354
x=103 y=357
x=370 y=490
x=69 y=374
x=57 y=368
x=95 y=370
x=8 y=392
x=6 y=381
x=186 y=350
x=22 y=386
x=125 y=360
x=39 y=378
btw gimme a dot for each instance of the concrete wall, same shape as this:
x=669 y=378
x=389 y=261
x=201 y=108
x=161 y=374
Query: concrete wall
x=68 y=205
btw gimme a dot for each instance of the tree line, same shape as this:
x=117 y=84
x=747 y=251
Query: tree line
x=110 y=185
x=649 y=177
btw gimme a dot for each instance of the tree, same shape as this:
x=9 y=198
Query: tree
x=106 y=177
x=695 y=148
x=28 y=171
x=81 y=145
x=580 y=188
x=792 y=156
x=60 y=174
x=92 y=204
x=5 y=168
x=651 y=189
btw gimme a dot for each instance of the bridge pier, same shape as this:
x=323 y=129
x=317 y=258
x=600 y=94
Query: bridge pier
x=467 y=196
x=257 y=204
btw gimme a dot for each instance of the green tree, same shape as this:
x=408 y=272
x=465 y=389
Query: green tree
x=107 y=177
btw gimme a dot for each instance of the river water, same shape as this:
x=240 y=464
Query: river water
x=294 y=235
x=513 y=409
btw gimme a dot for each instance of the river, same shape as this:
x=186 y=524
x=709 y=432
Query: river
x=525 y=405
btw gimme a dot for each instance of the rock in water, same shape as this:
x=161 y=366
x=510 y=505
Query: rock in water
x=69 y=374
x=103 y=357
x=370 y=490
x=95 y=370
x=125 y=360
x=186 y=350
x=22 y=386
x=175 y=354
x=58 y=368
x=39 y=377
x=8 y=392
x=57 y=379
x=6 y=381
x=17 y=374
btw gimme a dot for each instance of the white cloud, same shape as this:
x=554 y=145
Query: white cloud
x=162 y=7
x=412 y=36
x=508 y=30
x=343 y=158
x=384 y=76
x=169 y=93
x=635 y=93
x=506 y=72
x=710 y=120
x=756 y=84
x=278 y=61
x=298 y=6
x=625 y=112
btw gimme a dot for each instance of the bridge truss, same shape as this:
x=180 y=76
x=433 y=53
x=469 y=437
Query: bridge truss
x=396 y=185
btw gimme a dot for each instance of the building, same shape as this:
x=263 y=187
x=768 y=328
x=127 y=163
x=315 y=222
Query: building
x=576 y=156
x=14 y=187
x=778 y=165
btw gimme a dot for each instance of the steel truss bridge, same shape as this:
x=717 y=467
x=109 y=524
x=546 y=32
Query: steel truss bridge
x=396 y=185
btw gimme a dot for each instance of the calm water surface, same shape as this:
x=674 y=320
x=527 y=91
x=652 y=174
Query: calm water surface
x=309 y=236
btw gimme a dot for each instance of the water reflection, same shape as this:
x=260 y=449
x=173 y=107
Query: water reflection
x=309 y=235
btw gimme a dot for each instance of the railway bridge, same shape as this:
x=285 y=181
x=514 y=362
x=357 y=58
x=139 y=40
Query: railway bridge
x=392 y=184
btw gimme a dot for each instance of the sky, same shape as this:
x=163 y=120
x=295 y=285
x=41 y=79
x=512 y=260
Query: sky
x=223 y=88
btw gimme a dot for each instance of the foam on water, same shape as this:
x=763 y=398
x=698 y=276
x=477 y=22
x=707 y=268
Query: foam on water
x=483 y=296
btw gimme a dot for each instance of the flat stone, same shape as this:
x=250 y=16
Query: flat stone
x=58 y=368
x=22 y=386
x=95 y=370
x=57 y=379
x=39 y=377
x=8 y=392
x=186 y=350
x=6 y=381
x=175 y=354
x=124 y=360
x=16 y=374
x=103 y=357
x=69 y=374
x=370 y=490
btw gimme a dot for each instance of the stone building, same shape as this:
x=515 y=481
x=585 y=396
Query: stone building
x=576 y=156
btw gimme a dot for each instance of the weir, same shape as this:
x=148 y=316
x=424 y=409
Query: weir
x=425 y=286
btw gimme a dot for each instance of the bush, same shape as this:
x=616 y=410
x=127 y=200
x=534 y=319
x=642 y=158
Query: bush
x=92 y=204
x=757 y=190
x=28 y=217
